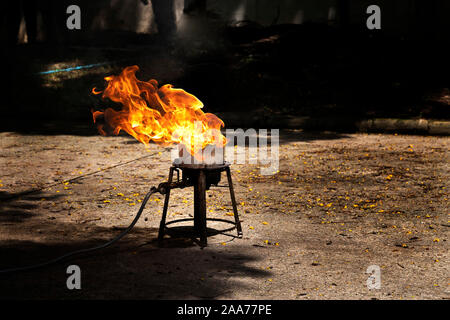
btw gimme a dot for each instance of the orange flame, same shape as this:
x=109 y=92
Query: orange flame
x=164 y=115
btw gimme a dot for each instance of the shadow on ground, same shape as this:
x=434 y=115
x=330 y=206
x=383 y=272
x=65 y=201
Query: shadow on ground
x=288 y=136
x=134 y=268
x=19 y=209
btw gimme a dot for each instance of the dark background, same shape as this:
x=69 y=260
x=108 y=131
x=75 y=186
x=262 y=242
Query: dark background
x=298 y=58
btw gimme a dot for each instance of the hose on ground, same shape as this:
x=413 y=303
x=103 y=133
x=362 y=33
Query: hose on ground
x=77 y=252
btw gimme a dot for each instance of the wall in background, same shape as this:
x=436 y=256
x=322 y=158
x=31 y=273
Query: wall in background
x=400 y=17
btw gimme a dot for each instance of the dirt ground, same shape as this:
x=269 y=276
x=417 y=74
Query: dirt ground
x=339 y=204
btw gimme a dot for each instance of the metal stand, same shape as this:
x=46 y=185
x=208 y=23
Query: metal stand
x=201 y=177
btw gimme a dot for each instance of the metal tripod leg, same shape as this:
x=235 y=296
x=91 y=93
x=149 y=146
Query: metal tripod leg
x=162 y=225
x=233 y=202
x=200 y=207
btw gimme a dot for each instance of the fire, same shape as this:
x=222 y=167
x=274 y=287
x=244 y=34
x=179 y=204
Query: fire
x=165 y=115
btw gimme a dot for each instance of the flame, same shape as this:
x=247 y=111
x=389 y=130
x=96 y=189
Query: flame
x=163 y=114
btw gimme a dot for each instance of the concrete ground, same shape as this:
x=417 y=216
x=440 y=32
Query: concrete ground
x=338 y=204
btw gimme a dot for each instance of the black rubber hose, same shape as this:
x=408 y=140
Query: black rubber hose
x=73 y=253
